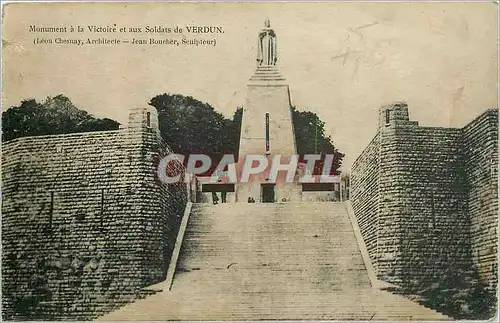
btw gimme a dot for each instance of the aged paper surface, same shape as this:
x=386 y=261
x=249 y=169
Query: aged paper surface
x=397 y=220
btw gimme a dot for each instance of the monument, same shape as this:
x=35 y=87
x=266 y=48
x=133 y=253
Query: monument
x=267 y=127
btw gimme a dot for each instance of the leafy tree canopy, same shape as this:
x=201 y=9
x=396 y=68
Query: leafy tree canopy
x=310 y=138
x=193 y=127
x=56 y=115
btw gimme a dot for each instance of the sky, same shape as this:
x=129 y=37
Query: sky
x=341 y=60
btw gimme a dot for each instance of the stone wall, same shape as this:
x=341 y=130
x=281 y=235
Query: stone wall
x=85 y=222
x=426 y=201
x=365 y=192
x=481 y=169
x=422 y=219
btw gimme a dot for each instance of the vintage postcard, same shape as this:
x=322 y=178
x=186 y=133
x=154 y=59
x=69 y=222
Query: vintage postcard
x=249 y=161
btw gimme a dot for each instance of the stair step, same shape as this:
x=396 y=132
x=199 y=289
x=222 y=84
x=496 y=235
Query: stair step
x=283 y=261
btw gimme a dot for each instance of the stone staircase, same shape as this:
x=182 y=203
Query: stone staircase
x=290 y=261
x=267 y=73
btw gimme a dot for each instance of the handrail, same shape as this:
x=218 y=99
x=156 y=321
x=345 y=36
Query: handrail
x=376 y=283
x=177 y=248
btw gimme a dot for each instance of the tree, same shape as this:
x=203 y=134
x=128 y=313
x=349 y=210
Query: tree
x=310 y=138
x=193 y=127
x=233 y=132
x=56 y=115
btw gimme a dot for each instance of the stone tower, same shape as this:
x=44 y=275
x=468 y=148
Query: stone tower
x=393 y=115
x=267 y=127
x=144 y=118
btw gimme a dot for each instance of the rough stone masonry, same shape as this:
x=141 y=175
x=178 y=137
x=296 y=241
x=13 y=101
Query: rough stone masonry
x=426 y=200
x=85 y=222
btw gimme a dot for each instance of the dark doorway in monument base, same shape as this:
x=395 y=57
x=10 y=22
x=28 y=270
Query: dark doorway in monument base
x=267 y=193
